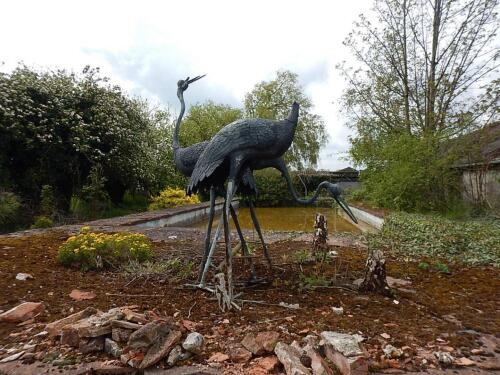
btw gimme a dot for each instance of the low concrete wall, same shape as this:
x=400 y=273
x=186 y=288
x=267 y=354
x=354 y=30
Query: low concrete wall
x=368 y=218
x=367 y=222
x=184 y=217
x=166 y=216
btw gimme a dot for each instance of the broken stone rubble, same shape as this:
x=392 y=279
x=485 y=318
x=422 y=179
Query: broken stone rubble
x=144 y=345
x=22 y=312
x=193 y=343
x=347 y=345
x=261 y=343
x=336 y=353
x=290 y=358
x=140 y=342
x=392 y=352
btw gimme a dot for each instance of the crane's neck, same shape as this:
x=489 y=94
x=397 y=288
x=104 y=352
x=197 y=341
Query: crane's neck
x=293 y=115
x=280 y=165
x=176 y=144
x=296 y=196
x=288 y=127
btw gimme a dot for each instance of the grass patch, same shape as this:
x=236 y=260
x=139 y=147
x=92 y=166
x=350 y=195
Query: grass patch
x=303 y=256
x=471 y=242
x=172 y=269
x=312 y=281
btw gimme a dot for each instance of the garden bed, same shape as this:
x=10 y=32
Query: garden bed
x=435 y=310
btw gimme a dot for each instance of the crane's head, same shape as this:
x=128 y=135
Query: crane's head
x=183 y=84
x=336 y=192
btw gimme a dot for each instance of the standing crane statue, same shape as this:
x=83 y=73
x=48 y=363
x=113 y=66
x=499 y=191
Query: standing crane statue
x=244 y=145
x=185 y=159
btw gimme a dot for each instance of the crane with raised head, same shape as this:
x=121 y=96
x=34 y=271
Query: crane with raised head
x=185 y=159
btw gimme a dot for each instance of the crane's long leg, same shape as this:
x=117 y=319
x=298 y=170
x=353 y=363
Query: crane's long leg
x=227 y=239
x=210 y=247
x=206 y=249
x=261 y=237
x=242 y=239
x=210 y=253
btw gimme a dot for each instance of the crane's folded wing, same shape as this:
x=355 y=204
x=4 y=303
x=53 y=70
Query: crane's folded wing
x=253 y=134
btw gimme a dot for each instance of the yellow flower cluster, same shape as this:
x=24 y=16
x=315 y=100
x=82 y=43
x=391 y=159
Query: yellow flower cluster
x=170 y=197
x=96 y=250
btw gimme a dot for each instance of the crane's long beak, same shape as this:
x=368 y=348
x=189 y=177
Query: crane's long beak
x=342 y=203
x=189 y=81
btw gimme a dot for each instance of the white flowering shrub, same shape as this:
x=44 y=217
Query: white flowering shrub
x=55 y=126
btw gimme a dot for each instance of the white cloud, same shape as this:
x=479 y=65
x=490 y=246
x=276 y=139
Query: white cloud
x=147 y=46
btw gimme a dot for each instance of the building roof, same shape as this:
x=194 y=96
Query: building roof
x=483 y=147
x=346 y=170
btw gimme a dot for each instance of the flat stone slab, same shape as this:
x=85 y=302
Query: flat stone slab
x=54 y=328
x=346 y=344
x=22 y=312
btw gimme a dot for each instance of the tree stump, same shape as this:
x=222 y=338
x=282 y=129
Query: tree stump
x=221 y=292
x=320 y=246
x=375 y=275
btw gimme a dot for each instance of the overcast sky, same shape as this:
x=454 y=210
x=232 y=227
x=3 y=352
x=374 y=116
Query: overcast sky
x=146 y=46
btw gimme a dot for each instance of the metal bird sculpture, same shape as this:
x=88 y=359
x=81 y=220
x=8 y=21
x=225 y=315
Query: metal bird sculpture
x=249 y=144
x=185 y=159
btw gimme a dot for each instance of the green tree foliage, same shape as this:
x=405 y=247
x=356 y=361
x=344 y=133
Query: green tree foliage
x=94 y=192
x=9 y=207
x=56 y=126
x=272 y=188
x=162 y=164
x=272 y=100
x=203 y=121
x=47 y=201
x=424 y=75
x=404 y=172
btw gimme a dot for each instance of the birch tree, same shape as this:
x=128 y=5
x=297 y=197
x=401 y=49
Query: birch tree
x=425 y=69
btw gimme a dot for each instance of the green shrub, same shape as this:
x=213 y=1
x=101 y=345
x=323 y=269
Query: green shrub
x=312 y=281
x=468 y=241
x=9 y=206
x=47 y=200
x=423 y=266
x=303 y=256
x=101 y=250
x=42 y=222
x=94 y=192
x=441 y=267
x=55 y=125
x=272 y=188
x=171 y=197
x=405 y=172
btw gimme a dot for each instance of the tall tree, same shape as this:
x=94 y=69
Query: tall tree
x=424 y=66
x=425 y=73
x=204 y=120
x=272 y=100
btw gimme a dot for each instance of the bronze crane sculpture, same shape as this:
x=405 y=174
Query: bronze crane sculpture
x=185 y=159
x=243 y=145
